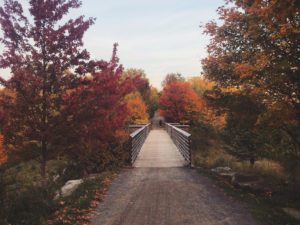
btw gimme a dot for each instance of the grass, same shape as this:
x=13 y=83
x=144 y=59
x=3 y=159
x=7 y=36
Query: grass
x=77 y=208
x=26 y=200
x=265 y=207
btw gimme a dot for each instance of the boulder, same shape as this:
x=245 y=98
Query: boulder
x=69 y=187
x=221 y=169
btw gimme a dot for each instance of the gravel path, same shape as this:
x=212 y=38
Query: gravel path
x=168 y=196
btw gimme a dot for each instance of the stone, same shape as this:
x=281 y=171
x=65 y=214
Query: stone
x=295 y=213
x=221 y=169
x=68 y=188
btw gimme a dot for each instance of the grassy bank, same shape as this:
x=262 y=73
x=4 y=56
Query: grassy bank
x=209 y=152
x=26 y=200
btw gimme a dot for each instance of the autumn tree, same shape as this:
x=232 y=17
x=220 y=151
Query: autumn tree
x=255 y=49
x=171 y=77
x=179 y=103
x=148 y=93
x=39 y=50
x=153 y=101
x=139 y=81
x=96 y=113
x=137 y=109
x=200 y=85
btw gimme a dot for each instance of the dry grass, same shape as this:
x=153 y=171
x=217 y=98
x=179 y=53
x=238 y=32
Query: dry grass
x=218 y=157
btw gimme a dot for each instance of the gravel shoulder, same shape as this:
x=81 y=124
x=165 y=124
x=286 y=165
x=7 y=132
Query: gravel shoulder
x=168 y=196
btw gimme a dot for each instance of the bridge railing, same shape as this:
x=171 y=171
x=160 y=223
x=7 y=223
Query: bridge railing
x=181 y=139
x=137 y=139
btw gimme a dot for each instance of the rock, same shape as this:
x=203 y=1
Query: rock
x=295 y=213
x=220 y=169
x=68 y=188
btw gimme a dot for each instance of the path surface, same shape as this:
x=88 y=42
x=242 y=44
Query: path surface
x=153 y=194
x=159 y=151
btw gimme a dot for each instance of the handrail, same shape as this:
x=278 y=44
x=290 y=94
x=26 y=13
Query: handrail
x=181 y=139
x=137 y=139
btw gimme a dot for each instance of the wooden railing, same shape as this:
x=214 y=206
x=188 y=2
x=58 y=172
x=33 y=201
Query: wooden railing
x=181 y=139
x=137 y=139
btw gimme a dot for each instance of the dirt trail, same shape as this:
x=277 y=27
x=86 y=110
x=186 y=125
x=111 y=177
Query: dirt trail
x=168 y=196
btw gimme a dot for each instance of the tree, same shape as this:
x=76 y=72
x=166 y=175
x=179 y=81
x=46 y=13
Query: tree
x=255 y=49
x=153 y=101
x=171 y=77
x=137 y=109
x=96 y=113
x=200 y=85
x=39 y=50
x=139 y=81
x=179 y=103
x=257 y=46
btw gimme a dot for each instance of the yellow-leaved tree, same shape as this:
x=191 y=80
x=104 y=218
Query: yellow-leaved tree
x=137 y=109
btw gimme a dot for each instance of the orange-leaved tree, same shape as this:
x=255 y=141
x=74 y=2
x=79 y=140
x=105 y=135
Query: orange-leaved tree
x=137 y=109
x=3 y=155
x=180 y=103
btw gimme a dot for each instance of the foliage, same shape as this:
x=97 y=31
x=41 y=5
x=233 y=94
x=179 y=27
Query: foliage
x=148 y=93
x=3 y=155
x=200 y=85
x=254 y=52
x=152 y=104
x=139 y=81
x=256 y=46
x=96 y=112
x=137 y=109
x=77 y=208
x=39 y=50
x=171 y=77
x=179 y=103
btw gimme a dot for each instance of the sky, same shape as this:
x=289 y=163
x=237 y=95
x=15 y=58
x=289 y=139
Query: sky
x=158 y=36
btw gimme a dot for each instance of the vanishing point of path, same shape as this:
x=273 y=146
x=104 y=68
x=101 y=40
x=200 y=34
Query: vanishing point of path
x=159 y=190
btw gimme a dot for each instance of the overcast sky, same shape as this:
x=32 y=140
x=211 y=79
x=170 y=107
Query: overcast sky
x=159 y=36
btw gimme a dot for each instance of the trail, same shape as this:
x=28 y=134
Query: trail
x=160 y=190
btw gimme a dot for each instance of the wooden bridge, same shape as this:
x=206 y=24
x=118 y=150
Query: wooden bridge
x=169 y=147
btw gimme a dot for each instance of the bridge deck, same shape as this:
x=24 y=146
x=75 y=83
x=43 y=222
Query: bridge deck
x=159 y=151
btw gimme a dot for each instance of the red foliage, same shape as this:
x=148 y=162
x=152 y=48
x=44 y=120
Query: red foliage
x=98 y=114
x=180 y=103
x=3 y=155
x=39 y=49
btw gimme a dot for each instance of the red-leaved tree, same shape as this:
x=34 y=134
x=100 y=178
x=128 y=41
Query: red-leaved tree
x=180 y=103
x=96 y=113
x=39 y=50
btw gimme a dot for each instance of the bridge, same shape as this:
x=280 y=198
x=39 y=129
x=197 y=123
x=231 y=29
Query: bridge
x=160 y=148
x=162 y=188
